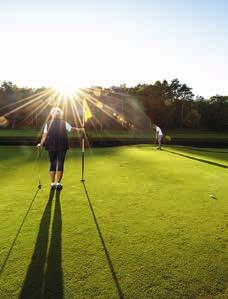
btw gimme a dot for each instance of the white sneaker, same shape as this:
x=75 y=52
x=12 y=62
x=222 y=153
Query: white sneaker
x=53 y=186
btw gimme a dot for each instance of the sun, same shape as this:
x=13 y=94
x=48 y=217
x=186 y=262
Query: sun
x=66 y=89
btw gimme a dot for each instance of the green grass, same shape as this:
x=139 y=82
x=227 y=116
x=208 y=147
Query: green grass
x=184 y=134
x=161 y=234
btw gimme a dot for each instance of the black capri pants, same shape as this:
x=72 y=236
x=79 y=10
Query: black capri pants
x=57 y=157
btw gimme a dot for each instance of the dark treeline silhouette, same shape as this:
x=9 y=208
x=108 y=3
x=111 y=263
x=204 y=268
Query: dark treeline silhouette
x=173 y=105
x=170 y=104
x=12 y=97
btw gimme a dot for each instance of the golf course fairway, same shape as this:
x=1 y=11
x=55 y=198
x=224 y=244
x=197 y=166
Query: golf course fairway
x=145 y=224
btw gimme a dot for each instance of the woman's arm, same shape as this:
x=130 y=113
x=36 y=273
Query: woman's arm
x=75 y=129
x=80 y=131
x=69 y=128
x=44 y=136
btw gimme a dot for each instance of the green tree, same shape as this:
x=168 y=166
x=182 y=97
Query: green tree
x=192 y=119
x=181 y=94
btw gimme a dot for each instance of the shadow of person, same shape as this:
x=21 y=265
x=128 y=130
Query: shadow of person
x=32 y=287
x=53 y=284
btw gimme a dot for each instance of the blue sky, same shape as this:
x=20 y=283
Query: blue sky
x=112 y=42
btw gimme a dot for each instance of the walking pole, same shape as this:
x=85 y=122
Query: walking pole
x=83 y=141
x=39 y=176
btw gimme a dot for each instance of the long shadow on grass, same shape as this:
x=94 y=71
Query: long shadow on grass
x=197 y=159
x=49 y=284
x=53 y=285
x=18 y=232
x=114 y=276
x=205 y=150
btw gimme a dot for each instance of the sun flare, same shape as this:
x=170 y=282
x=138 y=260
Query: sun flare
x=66 y=89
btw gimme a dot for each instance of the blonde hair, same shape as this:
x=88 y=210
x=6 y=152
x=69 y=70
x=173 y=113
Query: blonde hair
x=56 y=112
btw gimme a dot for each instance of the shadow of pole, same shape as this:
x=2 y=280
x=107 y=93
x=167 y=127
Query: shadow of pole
x=53 y=287
x=18 y=232
x=33 y=283
x=197 y=159
x=114 y=276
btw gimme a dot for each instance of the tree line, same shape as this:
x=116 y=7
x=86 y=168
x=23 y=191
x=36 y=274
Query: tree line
x=169 y=104
x=173 y=105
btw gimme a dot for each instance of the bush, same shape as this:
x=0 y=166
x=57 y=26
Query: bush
x=167 y=139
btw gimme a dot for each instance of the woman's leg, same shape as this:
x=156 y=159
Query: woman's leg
x=53 y=164
x=61 y=159
x=159 y=141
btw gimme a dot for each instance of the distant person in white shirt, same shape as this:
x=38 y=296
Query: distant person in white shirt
x=159 y=135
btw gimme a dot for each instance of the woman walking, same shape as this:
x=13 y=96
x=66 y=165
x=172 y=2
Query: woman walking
x=55 y=140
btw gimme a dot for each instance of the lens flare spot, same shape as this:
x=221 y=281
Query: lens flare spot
x=3 y=121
